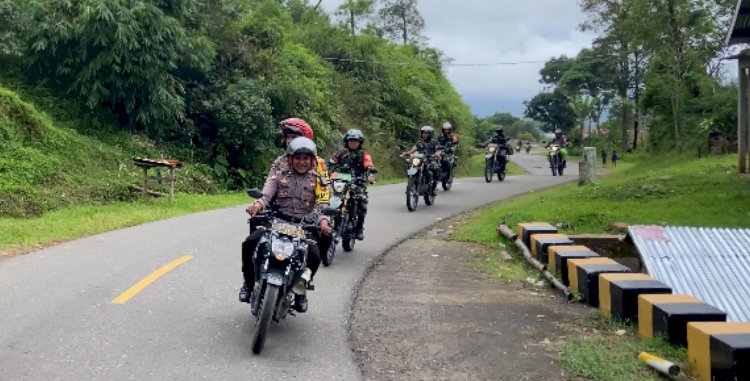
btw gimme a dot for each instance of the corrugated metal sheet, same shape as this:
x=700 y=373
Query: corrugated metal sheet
x=712 y=264
x=739 y=32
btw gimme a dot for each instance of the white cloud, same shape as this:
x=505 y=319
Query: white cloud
x=482 y=31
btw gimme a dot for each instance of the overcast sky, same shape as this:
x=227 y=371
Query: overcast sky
x=487 y=31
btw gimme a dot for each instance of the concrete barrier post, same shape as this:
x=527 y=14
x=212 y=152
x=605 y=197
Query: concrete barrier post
x=587 y=167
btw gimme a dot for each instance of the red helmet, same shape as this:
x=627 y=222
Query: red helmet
x=296 y=126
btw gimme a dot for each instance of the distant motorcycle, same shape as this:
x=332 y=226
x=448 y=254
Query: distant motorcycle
x=495 y=161
x=556 y=161
x=528 y=148
x=419 y=183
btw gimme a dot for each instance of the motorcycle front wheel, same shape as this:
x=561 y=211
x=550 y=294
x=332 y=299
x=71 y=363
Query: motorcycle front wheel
x=268 y=305
x=489 y=169
x=553 y=165
x=412 y=195
x=327 y=258
x=429 y=197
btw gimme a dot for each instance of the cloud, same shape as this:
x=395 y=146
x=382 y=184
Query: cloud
x=482 y=32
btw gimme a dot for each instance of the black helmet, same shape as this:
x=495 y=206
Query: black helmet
x=301 y=145
x=354 y=134
x=427 y=129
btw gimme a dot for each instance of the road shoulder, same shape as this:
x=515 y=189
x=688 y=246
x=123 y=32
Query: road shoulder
x=425 y=312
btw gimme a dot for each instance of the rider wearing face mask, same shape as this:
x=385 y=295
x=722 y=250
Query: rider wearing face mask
x=293 y=186
x=355 y=159
x=293 y=128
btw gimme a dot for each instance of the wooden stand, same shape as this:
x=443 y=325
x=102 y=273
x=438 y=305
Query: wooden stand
x=146 y=164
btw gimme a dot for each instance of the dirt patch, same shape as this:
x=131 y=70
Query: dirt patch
x=425 y=313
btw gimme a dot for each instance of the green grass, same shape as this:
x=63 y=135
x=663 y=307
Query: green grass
x=601 y=354
x=47 y=164
x=655 y=190
x=489 y=262
x=20 y=235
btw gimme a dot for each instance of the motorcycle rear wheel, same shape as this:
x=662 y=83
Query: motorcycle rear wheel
x=266 y=314
x=448 y=181
x=412 y=195
x=489 y=169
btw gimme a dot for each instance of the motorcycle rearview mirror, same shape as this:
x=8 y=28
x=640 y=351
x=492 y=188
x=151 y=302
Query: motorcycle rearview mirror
x=373 y=170
x=255 y=193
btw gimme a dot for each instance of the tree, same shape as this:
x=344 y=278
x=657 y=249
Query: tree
x=14 y=22
x=554 y=69
x=117 y=55
x=354 y=10
x=552 y=109
x=613 y=18
x=400 y=20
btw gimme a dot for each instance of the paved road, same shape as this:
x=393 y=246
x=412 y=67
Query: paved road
x=59 y=322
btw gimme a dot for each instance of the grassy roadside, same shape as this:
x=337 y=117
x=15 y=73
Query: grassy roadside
x=706 y=192
x=663 y=190
x=606 y=351
x=22 y=235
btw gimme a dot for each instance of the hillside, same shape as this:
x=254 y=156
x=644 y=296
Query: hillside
x=45 y=164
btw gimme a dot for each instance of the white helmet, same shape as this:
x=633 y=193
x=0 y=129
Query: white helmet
x=302 y=145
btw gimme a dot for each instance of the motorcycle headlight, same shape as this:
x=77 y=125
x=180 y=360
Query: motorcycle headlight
x=554 y=148
x=492 y=149
x=282 y=248
x=339 y=186
x=415 y=162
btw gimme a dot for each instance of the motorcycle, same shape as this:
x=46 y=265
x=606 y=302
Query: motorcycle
x=556 y=161
x=282 y=253
x=446 y=170
x=345 y=220
x=495 y=160
x=419 y=184
x=528 y=148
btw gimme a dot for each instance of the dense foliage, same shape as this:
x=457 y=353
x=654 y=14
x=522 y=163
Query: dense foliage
x=653 y=71
x=211 y=78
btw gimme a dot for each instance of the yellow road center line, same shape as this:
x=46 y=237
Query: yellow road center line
x=138 y=287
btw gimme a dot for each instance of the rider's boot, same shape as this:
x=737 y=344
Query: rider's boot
x=300 y=291
x=245 y=293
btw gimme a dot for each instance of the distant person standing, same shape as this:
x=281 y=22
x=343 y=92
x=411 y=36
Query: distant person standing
x=604 y=158
x=614 y=158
